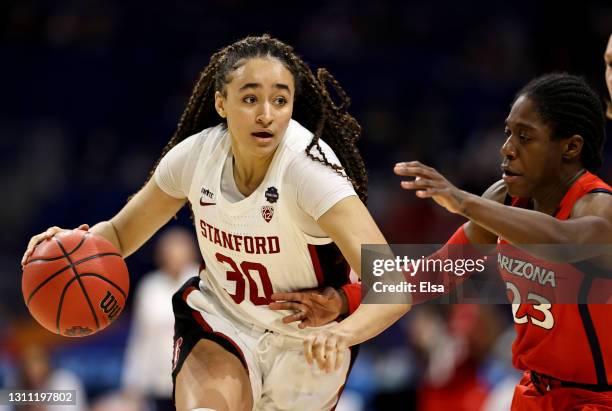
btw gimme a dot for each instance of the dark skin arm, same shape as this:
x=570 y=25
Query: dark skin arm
x=590 y=222
x=476 y=233
x=312 y=308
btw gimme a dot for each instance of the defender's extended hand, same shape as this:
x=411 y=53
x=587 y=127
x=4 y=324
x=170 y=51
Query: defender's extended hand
x=429 y=183
x=312 y=308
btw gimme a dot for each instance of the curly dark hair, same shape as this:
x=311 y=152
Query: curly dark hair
x=570 y=106
x=314 y=107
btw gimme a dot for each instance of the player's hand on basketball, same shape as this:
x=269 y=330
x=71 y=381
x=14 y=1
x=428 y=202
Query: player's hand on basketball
x=429 y=183
x=312 y=308
x=39 y=238
x=327 y=348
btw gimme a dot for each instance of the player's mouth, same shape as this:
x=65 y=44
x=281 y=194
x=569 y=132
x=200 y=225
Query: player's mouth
x=263 y=134
x=509 y=175
x=263 y=137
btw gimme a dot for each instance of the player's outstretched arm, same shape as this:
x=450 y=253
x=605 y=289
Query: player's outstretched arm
x=312 y=308
x=592 y=222
x=350 y=225
x=137 y=221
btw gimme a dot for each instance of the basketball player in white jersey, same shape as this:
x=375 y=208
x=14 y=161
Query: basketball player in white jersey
x=268 y=198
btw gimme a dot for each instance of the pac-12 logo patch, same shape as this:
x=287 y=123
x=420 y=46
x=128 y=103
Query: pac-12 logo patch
x=267 y=212
x=272 y=194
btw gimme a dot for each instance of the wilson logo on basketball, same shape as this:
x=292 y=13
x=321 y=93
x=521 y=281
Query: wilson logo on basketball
x=267 y=212
x=110 y=306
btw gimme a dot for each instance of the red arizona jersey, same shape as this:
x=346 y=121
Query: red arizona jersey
x=570 y=342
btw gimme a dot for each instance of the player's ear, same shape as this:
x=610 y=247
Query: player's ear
x=219 y=103
x=572 y=147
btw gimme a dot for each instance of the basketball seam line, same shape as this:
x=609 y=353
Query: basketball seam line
x=76 y=274
x=103 y=279
x=61 y=303
x=61 y=256
x=76 y=278
x=52 y=276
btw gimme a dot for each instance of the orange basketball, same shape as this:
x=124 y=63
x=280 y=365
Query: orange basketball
x=75 y=283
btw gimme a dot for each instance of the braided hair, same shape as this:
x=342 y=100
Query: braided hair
x=570 y=106
x=314 y=107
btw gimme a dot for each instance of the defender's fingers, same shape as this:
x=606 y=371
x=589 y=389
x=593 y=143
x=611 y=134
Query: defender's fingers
x=425 y=193
x=305 y=323
x=419 y=183
x=417 y=172
x=294 y=317
x=286 y=305
x=288 y=297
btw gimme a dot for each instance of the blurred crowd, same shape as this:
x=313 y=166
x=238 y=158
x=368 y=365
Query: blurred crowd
x=93 y=89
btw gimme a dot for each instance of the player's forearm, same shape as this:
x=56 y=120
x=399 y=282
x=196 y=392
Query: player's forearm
x=107 y=230
x=523 y=227
x=369 y=320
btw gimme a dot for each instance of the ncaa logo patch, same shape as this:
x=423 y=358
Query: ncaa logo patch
x=272 y=194
x=267 y=212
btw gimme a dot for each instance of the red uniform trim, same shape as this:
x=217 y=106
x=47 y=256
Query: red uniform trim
x=200 y=319
x=316 y=264
x=353 y=296
x=204 y=324
x=188 y=291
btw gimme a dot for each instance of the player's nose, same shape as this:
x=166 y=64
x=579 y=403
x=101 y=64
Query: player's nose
x=507 y=149
x=264 y=116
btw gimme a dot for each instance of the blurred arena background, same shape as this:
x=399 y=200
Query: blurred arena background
x=92 y=90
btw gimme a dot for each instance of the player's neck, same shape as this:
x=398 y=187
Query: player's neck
x=249 y=171
x=548 y=197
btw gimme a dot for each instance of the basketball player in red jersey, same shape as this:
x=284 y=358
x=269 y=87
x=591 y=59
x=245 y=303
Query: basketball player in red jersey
x=554 y=136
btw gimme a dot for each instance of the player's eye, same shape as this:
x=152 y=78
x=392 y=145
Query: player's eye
x=249 y=99
x=507 y=132
x=281 y=101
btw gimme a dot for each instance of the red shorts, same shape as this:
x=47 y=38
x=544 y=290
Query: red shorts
x=528 y=398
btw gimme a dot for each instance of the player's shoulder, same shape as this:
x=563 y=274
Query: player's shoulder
x=595 y=204
x=593 y=197
x=496 y=192
x=212 y=135
x=296 y=141
x=298 y=137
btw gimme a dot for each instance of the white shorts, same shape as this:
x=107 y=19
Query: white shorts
x=281 y=379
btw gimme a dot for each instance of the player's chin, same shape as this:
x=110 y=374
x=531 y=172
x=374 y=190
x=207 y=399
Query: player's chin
x=264 y=149
x=517 y=189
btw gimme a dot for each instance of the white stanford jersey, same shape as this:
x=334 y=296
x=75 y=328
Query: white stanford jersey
x=255 y=247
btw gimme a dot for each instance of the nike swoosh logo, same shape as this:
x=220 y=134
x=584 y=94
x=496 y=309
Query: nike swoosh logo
x=204 y=204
